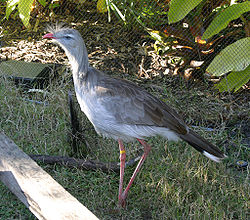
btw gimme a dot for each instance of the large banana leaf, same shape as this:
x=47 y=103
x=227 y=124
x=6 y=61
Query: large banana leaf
x=234 y=81
x=235 y=57
x=222 y=20
x=178 y=9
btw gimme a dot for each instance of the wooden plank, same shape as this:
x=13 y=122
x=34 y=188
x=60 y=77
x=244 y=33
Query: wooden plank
x=45 y=198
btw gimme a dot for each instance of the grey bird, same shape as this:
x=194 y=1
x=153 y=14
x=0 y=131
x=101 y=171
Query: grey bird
x=121 y=110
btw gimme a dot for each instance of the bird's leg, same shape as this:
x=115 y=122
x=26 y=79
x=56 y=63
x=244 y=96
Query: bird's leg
x=147 y=149
x=122 y=166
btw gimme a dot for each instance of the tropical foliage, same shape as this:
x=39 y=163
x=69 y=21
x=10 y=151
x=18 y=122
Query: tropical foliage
x=234 y=57
x=198 y=31
x=23 y=8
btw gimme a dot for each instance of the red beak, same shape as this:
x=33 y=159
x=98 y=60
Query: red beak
x=49 y=36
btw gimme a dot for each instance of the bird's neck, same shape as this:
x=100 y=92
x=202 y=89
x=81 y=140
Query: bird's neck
x=79 y=63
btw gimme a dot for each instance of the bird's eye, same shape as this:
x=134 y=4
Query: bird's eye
x=67 y=37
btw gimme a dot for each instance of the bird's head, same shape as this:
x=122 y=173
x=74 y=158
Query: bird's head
x=72 y=43
x=69 y=39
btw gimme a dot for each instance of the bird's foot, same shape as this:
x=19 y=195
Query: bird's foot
x=122 y=203
x=122 y=200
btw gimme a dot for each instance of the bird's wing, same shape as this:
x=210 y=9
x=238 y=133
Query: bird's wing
x=131 y=104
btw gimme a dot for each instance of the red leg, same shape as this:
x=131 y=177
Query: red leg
x=147 y=149
x=122 y=166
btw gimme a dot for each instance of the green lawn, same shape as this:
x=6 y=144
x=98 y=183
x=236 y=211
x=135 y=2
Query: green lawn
x=176 y=181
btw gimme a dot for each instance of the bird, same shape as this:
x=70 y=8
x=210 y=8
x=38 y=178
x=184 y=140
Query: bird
x=121 y=110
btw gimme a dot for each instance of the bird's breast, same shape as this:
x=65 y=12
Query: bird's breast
x=92 y=108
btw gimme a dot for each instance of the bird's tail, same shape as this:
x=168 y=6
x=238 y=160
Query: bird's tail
x=203 y=146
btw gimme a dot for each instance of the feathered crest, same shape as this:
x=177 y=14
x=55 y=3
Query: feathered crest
x=56 y=27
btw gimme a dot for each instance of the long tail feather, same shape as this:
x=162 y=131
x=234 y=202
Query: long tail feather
x=203 y=146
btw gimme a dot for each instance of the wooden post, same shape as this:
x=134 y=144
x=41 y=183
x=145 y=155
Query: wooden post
x=45 y=198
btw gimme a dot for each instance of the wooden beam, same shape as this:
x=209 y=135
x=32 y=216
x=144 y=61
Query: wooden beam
x=44 y=197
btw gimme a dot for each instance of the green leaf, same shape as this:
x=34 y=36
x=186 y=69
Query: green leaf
x=11 y=5
x=118 y=11
x=24 y=9
x=108 y=8
x=42 y=2
x=178 y=9
x=101 y=6
x=235 y=57
x=222 y=20
x=54 y=5
x=234 y=81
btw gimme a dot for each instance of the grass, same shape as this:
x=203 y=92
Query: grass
x=176 y=181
